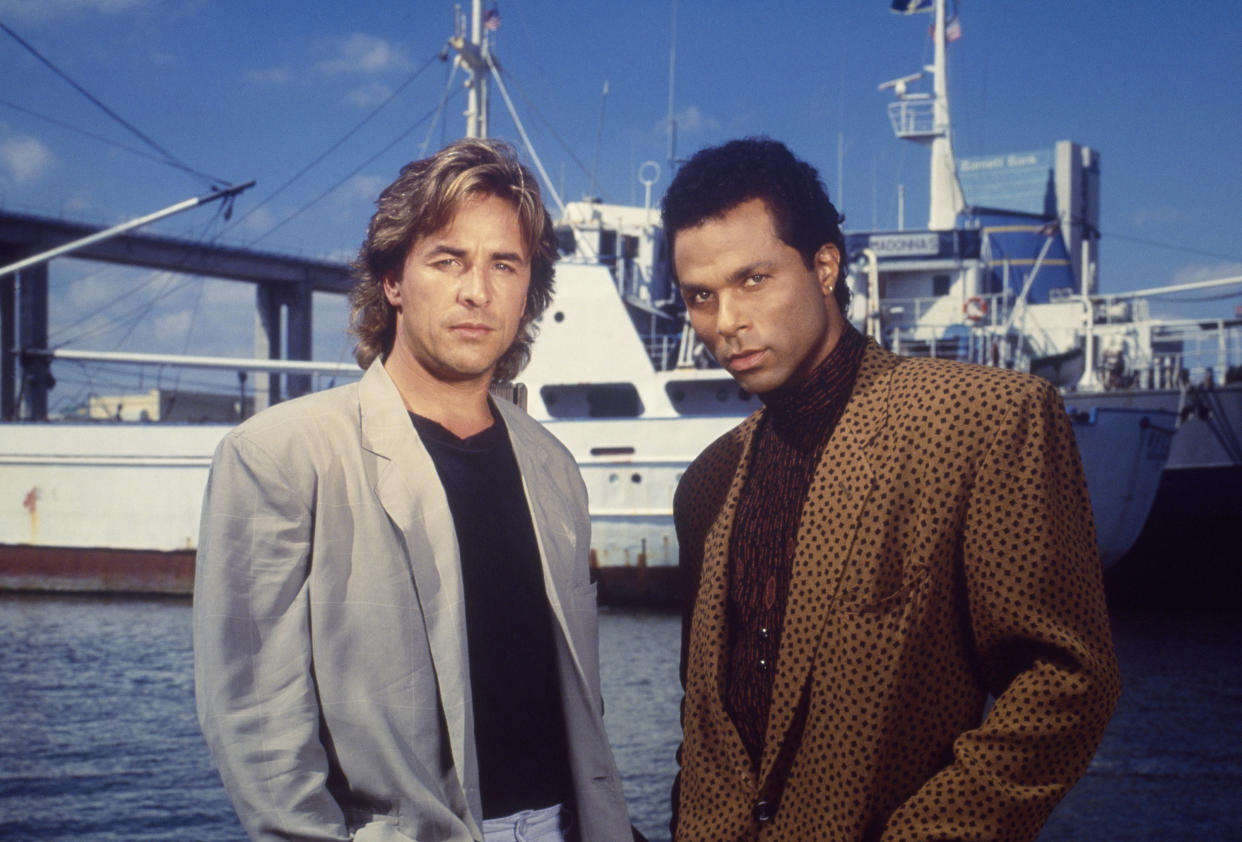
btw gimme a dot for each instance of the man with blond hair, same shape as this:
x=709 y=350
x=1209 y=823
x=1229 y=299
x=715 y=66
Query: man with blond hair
x=395 y=634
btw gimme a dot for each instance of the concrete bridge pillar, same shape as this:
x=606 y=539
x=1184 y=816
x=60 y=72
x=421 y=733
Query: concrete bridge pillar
x=23 y=340
x=283 y=322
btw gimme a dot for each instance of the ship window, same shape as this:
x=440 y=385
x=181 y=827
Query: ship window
x=940 y=284
x=592 y=400
x=608 y=247
x=710 y=397
x=612 y=451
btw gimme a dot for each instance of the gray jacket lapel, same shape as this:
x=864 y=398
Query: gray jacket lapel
x=552 y=513
x=408 y=488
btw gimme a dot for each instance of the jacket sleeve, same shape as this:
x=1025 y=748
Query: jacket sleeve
x=253 y=677
x=1040 y=630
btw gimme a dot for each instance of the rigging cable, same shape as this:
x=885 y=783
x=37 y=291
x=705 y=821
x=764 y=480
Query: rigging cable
x=168 y=158
x=547 y=125
x=343 y=179
x=319 y=158
x=530 y=148
x=72 y=128
x=449 y=76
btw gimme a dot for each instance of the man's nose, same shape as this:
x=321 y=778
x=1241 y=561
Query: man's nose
x=475 y=287
x=730 y=316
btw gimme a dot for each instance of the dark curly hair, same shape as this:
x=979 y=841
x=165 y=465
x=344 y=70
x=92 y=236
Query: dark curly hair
x=719 y=178
x=424 y=199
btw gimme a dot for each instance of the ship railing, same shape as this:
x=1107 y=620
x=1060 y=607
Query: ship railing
x=981 y=330
x=311 y=376
x=1169 y=354
x=914 y=117
x=983 y=312
x=662 y=350
x=1210 y=349
x=952 y=342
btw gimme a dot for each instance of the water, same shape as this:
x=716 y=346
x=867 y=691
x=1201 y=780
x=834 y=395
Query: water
x=98 y=739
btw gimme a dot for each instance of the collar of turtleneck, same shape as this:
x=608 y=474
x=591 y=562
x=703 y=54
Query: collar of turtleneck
x=803 y=415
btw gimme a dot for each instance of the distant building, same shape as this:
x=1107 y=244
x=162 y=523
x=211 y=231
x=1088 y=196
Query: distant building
x=168 y=405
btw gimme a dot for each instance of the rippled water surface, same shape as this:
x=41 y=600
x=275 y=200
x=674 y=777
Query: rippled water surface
x=98 y=739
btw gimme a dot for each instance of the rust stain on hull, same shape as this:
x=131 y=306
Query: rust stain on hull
x=101 y=570
x=31 y=504
x=95 y=570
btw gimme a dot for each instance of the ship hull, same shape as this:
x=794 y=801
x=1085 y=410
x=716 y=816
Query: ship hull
x=114 y=508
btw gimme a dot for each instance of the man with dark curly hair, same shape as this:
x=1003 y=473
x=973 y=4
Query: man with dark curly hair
x=395 y=634
x=885 y=544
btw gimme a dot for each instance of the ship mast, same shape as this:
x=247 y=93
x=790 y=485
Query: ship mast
x=475 y=55
x=946 y=200
x=472 y=53
x=924 y=119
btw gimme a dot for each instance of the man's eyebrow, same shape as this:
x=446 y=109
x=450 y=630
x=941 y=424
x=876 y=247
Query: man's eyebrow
x=737 y=275
x=454 y=251
x=444 y=248
x=750 y=269
x=509 y=256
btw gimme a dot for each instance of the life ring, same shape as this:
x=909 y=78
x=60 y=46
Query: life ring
x=975 y=308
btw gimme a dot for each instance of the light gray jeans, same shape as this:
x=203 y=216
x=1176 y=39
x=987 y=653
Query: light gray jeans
x=546 y=825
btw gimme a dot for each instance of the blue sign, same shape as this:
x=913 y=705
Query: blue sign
x=1016 y=181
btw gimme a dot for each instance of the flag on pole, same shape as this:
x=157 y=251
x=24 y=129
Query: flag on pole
x=952 y=30
x=910 y=7
x=491 y=19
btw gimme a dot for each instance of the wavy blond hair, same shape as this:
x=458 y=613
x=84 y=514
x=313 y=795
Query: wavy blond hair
x=424 y=199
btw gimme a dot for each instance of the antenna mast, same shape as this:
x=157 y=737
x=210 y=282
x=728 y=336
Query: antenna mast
x=924 y=119
x=472 y=54
x=946 y=200
x=672 y=69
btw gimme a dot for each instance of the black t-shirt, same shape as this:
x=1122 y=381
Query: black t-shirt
x=519 y=724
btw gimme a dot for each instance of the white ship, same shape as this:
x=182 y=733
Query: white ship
x=617 y=377
x=1006 y=274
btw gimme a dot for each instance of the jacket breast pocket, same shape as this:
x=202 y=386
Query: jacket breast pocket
x=880 y=584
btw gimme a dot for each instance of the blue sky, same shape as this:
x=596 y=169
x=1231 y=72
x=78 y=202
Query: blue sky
x=244 y=90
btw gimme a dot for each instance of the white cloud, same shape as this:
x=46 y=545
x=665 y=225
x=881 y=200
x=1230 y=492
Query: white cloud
x=45 y=10
x=353 y=202
x=362 y=188
x=90 y=292
x=280 y=75
x=694 y=119
x=207 y=316
x=260 y=220
x=24 y=159
x=342 y=255
x=690 y=120
x=1194 y=273
x=368 y=95
x=171 y=329
x=361 y=53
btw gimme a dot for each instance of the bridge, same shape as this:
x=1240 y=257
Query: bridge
x=283 y=289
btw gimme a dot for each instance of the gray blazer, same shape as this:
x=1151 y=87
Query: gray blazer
x=330 y=656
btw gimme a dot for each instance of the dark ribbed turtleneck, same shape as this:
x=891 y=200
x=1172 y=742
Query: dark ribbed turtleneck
x=785 y=452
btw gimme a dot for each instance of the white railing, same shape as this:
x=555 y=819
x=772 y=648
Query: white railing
x=662 y=351
x=913 y=118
